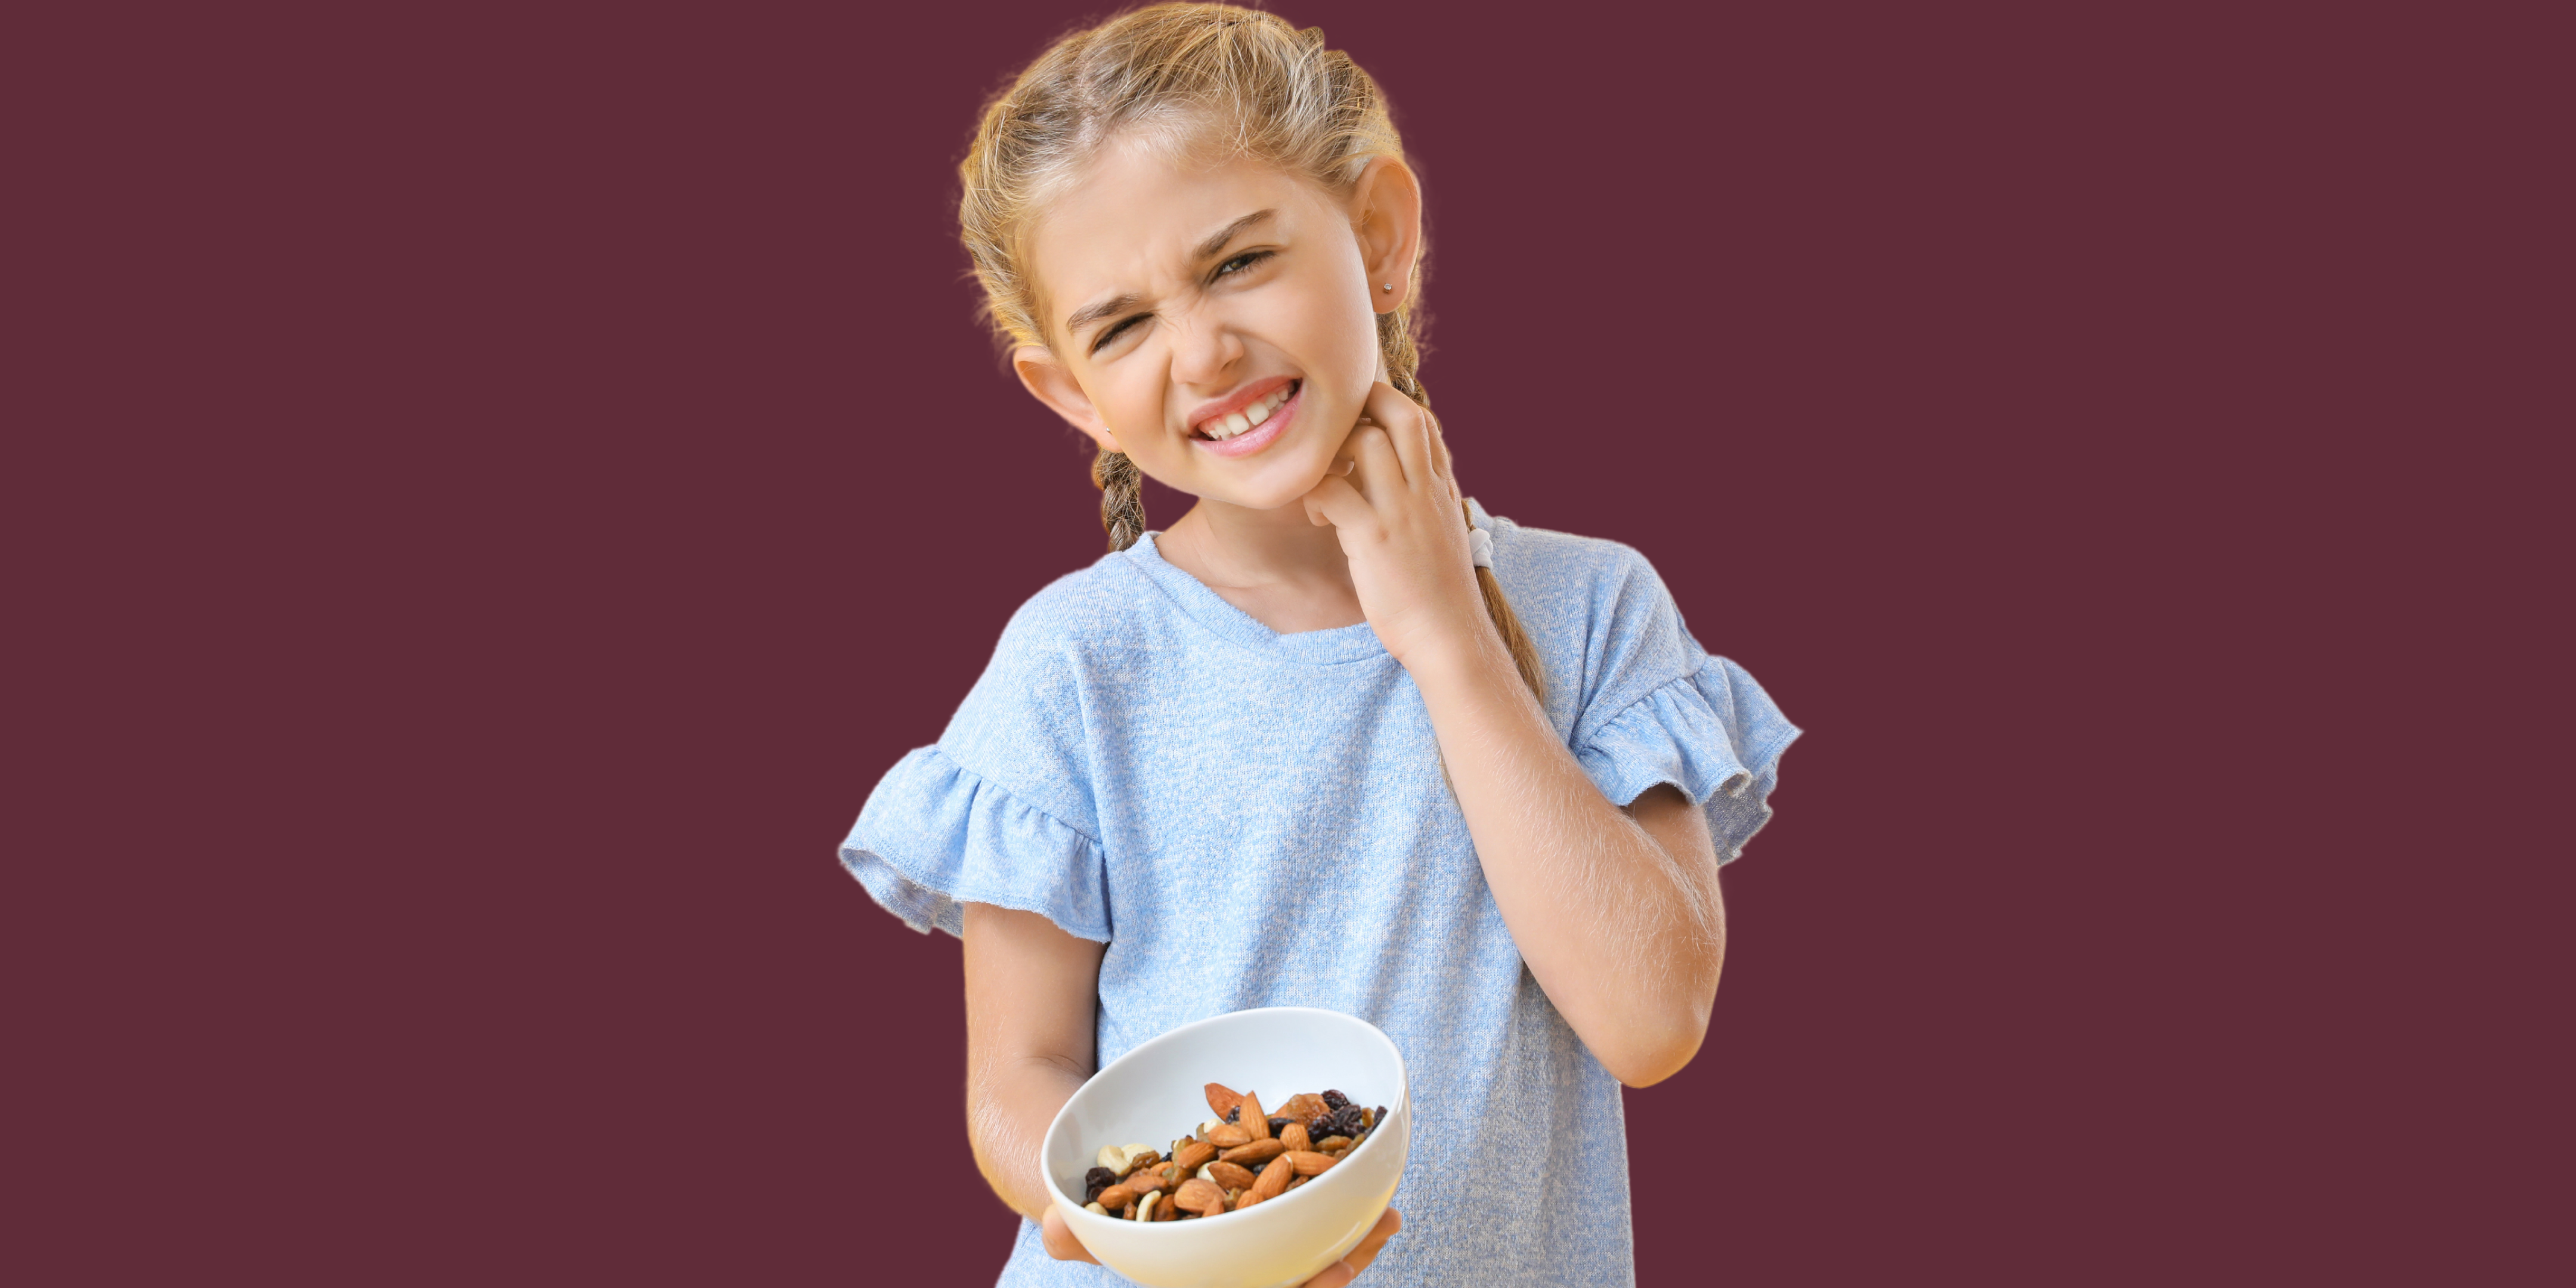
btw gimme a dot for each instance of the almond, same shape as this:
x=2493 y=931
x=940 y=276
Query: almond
x=1305 y=1107
x=1194 y=1155
x=1259 y=1151
x=1294 y=1136
x=1116 y=1196
x=1202 y=1197
x=1273 y=1181
x=1309 y=1164
x=1253 y=1119
x=1229 y=1175
x=1222 y=1099
x=1227 y=1136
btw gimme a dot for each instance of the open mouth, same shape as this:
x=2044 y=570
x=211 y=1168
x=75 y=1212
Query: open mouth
x=1237 y=423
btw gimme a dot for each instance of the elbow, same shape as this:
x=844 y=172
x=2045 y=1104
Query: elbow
x=1657 y=1051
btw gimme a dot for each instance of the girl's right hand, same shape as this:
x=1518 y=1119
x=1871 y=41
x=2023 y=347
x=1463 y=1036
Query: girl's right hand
x=1061 y=1245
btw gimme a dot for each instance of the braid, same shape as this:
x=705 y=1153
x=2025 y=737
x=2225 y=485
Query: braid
x=1395 y=343
x=1122 y=498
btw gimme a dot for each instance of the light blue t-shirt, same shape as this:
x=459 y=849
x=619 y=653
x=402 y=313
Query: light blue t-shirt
x=1151 y=768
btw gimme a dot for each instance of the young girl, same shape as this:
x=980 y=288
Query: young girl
x=1338 y=737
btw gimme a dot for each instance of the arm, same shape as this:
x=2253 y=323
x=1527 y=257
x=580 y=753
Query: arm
x=1031 y=997
x=1616 y=910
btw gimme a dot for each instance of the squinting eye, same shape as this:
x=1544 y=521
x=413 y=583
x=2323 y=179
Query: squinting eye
x=1114 y=332
x=1247 y=259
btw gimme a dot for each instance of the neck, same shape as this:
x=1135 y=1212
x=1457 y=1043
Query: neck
x=1278 y=566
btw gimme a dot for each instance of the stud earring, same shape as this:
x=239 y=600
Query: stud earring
x=1386 y=286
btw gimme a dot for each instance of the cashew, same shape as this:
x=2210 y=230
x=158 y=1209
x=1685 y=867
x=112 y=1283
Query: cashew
x=1114 y=1157
x=1145 y=1206
x=1094 y=1207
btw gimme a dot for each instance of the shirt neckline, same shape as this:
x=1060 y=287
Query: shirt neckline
x=1331 y=647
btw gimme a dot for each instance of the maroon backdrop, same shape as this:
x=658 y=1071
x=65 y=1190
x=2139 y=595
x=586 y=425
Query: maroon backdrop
x=498 y=483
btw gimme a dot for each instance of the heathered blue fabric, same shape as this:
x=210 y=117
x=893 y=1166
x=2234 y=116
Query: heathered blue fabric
x=1152 y=768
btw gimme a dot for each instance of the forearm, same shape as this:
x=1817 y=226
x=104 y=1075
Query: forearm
x=1626 y=935
x=1031 y=1004
x=1009 y=1103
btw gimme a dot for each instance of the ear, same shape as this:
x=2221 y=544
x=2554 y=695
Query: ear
x=1386 y=214
x=1049 y=382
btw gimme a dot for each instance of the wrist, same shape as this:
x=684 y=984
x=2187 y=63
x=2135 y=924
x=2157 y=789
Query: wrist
x=1462 y=661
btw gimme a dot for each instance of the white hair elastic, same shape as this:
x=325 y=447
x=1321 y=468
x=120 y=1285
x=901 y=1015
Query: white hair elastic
x=1480 y=547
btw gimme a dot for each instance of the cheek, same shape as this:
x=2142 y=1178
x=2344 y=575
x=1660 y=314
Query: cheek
x=1341 y=331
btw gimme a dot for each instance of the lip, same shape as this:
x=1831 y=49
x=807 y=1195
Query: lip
x=1261 y=435
x=1237 y=401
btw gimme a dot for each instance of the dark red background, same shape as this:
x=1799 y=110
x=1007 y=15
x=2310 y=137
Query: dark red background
x=494 y=487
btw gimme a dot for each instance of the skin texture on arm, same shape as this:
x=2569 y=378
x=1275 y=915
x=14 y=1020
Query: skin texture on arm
x=1031 y=1005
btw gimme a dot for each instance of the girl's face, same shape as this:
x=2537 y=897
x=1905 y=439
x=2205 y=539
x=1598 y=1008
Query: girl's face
x=1217 y=324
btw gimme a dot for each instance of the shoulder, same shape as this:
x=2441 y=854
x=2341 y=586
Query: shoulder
x=1577 y=587
x=1564 y=568
x=1604 y=624
x=1110 y=608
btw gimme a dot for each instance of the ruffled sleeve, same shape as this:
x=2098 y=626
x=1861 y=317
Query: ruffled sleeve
x=1712 y=734
x=935 y=836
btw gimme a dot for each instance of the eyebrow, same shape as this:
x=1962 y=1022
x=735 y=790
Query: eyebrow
x=1117 y=304
x=1228 y=233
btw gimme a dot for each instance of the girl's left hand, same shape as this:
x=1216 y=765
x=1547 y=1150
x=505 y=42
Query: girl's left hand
x=1396 y=510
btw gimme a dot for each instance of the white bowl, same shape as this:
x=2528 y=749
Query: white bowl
x=1157 y=1093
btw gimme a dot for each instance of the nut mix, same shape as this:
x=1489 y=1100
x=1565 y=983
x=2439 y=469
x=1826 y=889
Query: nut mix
x=1241 y=1157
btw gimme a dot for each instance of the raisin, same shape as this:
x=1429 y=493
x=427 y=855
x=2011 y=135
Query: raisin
x=1234 y=1115
x=1335 y=1100
x=1096 y=1180
x=1278 y=1125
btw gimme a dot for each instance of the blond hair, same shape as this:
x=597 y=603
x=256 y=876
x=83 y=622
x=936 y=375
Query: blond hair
x=1210 y=78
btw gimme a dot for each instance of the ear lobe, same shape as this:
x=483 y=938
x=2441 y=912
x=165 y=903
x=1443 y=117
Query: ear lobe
x=1386 y=213
x=1047 y=381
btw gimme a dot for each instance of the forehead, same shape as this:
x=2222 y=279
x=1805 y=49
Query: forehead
x=1130 y=222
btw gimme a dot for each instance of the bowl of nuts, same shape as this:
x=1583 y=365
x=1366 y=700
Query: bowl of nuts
x=1175 y=1167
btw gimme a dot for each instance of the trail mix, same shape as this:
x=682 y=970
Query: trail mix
x=1241 y=1157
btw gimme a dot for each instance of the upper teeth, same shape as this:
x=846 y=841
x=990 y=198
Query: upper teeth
x=1233 y=423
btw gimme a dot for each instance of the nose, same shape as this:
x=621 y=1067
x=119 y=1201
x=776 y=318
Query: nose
x=1205 y=349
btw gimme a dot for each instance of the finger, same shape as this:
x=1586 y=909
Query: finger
x=1403 y=419
x=1336 y=503
x=1386 y=1228
x=1059 y=1240
x=1348 y=1268
x=1381 y=471
x=1442 y=463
